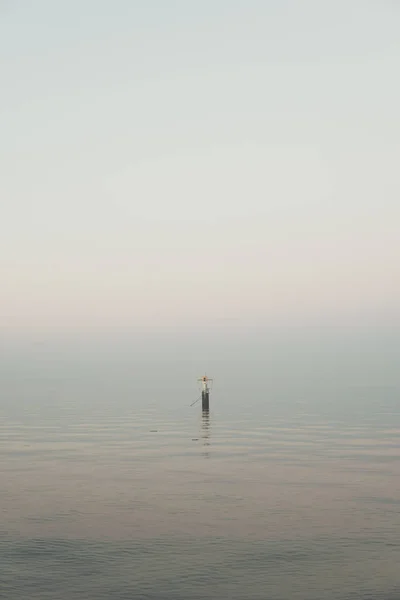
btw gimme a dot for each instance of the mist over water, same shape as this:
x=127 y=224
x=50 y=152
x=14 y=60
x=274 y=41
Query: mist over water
x=113 y=487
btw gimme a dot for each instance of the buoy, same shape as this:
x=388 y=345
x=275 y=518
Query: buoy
x=205 y=392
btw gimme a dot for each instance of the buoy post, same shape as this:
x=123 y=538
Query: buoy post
x=205 y=393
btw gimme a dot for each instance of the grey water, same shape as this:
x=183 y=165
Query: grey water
x=113 y=487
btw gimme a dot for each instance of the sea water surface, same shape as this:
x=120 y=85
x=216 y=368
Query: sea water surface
x=113 y=487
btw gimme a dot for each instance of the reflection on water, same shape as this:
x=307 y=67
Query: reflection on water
x=205 y=426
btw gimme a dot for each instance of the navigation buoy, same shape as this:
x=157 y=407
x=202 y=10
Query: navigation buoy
x=205 y=392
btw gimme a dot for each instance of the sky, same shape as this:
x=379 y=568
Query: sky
x=187 y=163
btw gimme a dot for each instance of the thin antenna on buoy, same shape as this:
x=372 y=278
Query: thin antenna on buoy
x=205 y=392
x=196 y=401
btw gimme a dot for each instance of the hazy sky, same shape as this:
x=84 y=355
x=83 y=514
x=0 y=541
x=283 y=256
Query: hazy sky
x=170 y=162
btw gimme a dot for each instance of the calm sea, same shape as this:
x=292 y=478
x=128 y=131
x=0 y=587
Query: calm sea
x=113 y=487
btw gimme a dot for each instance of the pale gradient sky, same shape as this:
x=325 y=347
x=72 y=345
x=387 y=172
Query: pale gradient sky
x=170 y=162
